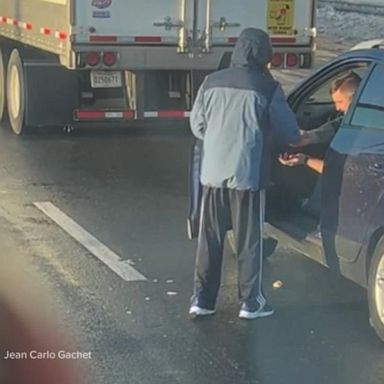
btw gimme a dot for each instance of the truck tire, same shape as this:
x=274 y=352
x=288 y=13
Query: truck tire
x=3 y=86
x=269 y=244
x=376 y=290
x=16 y=93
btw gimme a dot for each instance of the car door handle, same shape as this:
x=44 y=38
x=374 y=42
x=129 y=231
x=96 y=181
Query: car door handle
x=376 y=168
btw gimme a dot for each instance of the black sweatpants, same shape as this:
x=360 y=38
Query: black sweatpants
x=222 y=209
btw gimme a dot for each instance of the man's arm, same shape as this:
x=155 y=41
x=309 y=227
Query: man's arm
x=322 y=134
x=197 y=118
x=283 y=120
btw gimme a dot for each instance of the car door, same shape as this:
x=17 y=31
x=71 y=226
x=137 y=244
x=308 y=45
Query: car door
x=353 y=178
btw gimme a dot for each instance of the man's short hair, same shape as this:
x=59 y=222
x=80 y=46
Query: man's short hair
x=346 y=83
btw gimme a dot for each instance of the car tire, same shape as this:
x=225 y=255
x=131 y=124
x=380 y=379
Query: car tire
x=376 y=290
x=269 y=244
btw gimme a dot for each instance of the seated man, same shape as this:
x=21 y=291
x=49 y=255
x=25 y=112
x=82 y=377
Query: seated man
x=342 y=91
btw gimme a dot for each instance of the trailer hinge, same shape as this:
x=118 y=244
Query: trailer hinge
x=310 y=32
x=222 y=24
x=168 y=24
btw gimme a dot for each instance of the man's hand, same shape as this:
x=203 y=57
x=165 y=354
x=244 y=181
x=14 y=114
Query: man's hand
x=292 y=160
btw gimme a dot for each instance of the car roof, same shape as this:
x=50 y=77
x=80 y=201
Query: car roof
x=374 y=54
x=371 y=54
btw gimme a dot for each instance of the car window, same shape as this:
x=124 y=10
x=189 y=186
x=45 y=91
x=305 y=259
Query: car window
x=321 y=94
x=315 y=107
x=369 y=111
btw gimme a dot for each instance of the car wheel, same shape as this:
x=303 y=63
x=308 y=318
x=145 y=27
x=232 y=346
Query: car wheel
x=376 y=290
x=269 y=244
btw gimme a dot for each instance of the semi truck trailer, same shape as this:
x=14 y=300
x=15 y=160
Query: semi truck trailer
x=72 y=62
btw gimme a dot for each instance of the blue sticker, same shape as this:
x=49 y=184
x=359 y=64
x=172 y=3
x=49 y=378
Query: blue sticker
x=101 y=14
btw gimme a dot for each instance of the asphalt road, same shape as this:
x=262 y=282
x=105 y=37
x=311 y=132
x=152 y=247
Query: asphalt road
x=129 y=190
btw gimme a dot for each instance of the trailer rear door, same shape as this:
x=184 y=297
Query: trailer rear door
x=129 y=21
x=289 y=20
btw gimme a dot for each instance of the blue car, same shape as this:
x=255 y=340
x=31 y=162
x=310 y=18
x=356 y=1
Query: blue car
x=337 y=217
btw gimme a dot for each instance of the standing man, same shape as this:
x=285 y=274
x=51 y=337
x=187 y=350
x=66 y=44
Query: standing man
x=239 y=113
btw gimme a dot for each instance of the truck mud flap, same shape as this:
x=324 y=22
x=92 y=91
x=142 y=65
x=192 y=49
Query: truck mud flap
x=51 y=94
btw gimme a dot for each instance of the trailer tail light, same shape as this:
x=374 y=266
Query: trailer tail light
x=277 y=60
x=109 y=58
x=92 y=59
x=291 y=60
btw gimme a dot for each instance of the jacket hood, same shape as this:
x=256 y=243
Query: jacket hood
x=253 y=49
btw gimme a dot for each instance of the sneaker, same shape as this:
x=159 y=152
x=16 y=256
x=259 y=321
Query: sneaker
x=198 y=311
x=250 y=312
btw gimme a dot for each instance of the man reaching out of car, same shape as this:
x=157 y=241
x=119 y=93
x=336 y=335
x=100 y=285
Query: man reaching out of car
x=342 y=91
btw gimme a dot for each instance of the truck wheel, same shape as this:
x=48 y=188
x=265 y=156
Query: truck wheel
x=269 y=244
x=16 y=93
x=376 y=290
x=3 y=77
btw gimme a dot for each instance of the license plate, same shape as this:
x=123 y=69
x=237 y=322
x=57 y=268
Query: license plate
x=100 y=79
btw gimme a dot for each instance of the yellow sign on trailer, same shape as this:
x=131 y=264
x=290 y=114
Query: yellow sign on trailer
x=280 y=17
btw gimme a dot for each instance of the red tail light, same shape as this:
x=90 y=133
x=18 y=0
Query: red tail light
x=109 y=59
x=292 y=60
x=277 y=60
x=92 y=59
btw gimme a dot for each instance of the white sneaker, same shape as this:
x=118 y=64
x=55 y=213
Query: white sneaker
x=247 y=314
x=195 y=311
x=256 y=310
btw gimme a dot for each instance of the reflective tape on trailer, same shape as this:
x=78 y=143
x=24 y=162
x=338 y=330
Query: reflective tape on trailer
x=93 y=115
x=61 y=35
x=12 y=22
x=27 y=26
x=274 y=40
x=103 y=39
x=132 y=39
x=45 y=31
x=167 y=114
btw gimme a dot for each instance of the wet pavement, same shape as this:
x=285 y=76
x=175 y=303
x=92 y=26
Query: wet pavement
x=128 y=189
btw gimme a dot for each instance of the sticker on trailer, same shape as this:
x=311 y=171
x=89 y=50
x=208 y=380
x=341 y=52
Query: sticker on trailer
x=101 y=14
x=280 y=15
x=101 y=4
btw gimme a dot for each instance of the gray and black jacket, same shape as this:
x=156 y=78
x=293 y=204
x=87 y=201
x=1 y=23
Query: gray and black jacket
x=239 y=113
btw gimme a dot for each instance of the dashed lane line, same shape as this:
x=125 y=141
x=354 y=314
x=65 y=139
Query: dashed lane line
x=121 y=267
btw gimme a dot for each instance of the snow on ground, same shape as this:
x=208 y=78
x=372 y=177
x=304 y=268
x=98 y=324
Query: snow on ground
x=365 y=22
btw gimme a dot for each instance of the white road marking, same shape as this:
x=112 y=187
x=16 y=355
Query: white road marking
x=103 y=253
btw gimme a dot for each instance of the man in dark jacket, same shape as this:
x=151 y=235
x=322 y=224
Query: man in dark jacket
x=239 y=114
